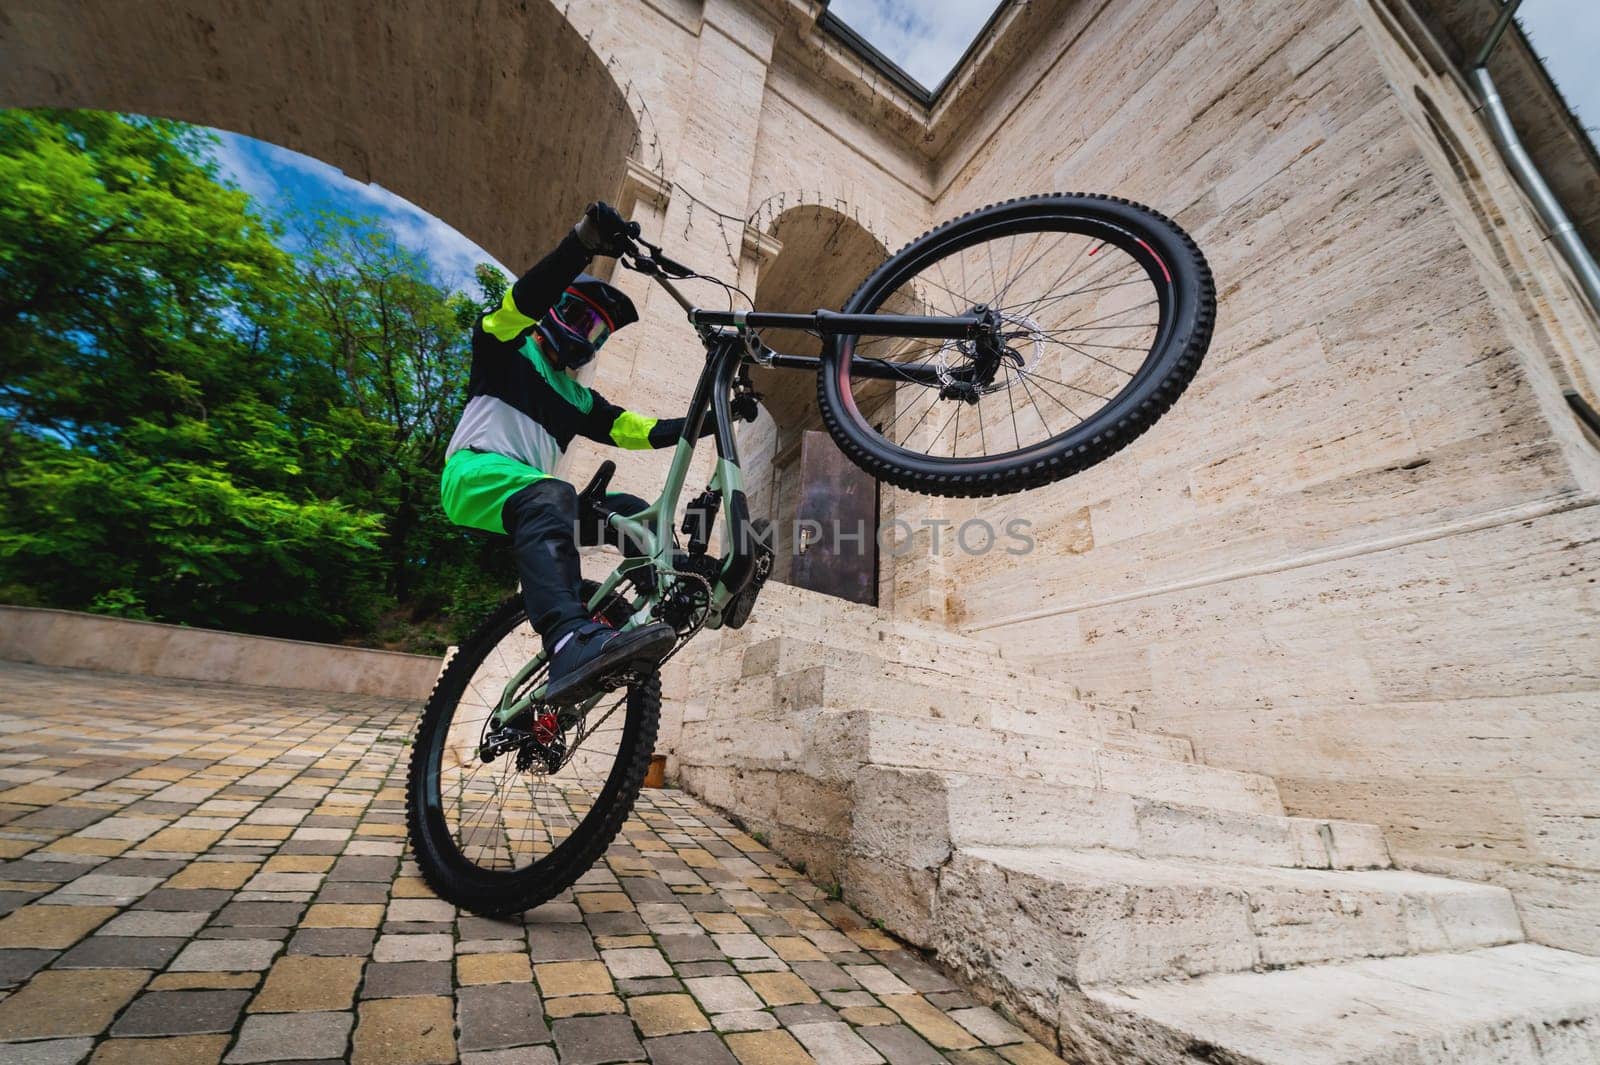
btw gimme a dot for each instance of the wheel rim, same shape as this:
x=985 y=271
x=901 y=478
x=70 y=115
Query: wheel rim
x=510 y=815
x=1084 y=307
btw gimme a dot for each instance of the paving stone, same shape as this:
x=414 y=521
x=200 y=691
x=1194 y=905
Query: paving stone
x=364 y=868
x=595 y=1040
x=405 y=1031
x=930 y=1022
x=581 y=1005
x=841 y=999
x=744 y=1021
x=684 y=948
x=51 y=926
x=572 y=978
x=181 y=1012
x=615 y=924
x=17 y=965
x=204 y=900
x=438 y=947
x=635 y=962
x=724 y=994
x=36 y=1011
x=555 y=942
x=500 y=1015
x=154 y=923
x=696 y=1049
x=488 y=928
x=493 y=968
x=834 y=1042
x=869 y=1016
x=342 y=915
x=650 y=985
x=768 y=1048
x=49 y=1052
x=805 y=1013
x=277 y=914
x=184 y=1049
x=304 y=983
x=901 y=1046
x=278 y=1037
x=988 y=1026
x=120 y=952
x=667 y=1014
x=356 y=892
x=420 y=910
x=520 y=1056
x=192 y=981
x=914 y=971
x=824 y=975
x=781 y=989
x=332 y=941
x=226 y=955
x=406 y=978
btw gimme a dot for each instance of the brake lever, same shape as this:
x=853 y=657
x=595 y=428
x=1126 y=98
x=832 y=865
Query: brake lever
x=657 y=261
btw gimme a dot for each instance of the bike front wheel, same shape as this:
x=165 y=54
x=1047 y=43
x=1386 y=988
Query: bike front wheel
x=502 y=836
x=1103 y=310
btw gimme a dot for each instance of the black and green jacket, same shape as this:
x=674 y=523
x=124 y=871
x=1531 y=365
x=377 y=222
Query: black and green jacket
x=521 y=406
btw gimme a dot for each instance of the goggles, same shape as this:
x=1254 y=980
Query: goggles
x=582 y=319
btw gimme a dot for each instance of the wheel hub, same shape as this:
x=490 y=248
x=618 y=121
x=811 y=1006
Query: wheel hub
x=968 y=368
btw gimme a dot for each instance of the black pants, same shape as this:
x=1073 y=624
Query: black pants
x=546 y=530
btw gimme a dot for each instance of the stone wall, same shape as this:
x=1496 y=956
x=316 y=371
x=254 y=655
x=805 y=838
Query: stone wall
x=1358 y=555
x=116 y=645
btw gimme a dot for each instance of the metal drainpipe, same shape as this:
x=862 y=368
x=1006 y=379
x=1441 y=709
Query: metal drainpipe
x=1562 y=231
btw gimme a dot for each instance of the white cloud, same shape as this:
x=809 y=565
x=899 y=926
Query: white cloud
x=924 y=39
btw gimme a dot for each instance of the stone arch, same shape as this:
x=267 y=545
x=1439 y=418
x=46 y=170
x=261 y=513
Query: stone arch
x=502 y=122
x=812 y=256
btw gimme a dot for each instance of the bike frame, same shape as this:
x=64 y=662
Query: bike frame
x=730 y=343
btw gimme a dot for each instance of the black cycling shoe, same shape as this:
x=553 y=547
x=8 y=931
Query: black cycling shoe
x=598 y=658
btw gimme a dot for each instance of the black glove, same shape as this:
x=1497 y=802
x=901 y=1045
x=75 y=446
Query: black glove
x=604 y=231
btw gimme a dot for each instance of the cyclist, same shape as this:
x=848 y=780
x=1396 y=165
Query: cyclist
x=524 y=407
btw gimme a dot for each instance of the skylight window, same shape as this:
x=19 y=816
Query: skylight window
x=925 y=39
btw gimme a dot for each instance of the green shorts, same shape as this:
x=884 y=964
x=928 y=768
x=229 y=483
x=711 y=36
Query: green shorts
x=476 y=484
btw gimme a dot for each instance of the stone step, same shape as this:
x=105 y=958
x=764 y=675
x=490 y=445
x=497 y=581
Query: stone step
x=870 y=685
x=786 y=610
x=1496 y=1006
x=833 y=744
x=791 y=651
x=917 y=817
x=1038 y=918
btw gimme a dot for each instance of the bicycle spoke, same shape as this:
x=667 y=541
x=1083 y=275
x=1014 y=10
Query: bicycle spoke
x=1069 y=302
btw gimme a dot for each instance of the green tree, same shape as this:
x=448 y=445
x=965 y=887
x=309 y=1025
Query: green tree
x=162 y=395
x=399 y=345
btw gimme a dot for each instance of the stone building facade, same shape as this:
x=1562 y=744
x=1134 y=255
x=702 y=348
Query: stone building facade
x=1358 y=557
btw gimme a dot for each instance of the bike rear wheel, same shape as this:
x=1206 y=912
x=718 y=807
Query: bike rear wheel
x=500 y=837
x=1103 y=310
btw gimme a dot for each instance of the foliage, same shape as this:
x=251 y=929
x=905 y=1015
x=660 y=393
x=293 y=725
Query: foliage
x=197 y=425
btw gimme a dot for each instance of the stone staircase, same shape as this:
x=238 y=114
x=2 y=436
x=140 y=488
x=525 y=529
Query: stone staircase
x=1126 y=901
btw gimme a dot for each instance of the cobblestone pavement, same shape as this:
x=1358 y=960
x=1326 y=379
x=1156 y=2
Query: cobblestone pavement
x=201 y=873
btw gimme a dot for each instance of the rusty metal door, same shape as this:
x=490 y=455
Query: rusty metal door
x=836 y=524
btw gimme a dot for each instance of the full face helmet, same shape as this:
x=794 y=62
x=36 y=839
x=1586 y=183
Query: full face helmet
x=587 y=313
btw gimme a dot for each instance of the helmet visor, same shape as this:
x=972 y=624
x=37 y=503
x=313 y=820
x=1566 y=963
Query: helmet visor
x=582 y=318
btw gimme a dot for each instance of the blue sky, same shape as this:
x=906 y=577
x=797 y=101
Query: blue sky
x=283 y=181
x=1566 y=34
x=924 y=38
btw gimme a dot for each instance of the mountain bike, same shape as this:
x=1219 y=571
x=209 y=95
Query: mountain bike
x=1004 y=350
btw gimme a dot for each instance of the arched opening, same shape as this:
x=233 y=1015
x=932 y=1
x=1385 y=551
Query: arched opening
x=793 y=471
x=503 y=123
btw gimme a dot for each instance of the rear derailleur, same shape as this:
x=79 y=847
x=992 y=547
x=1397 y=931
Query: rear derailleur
x=544 y=742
